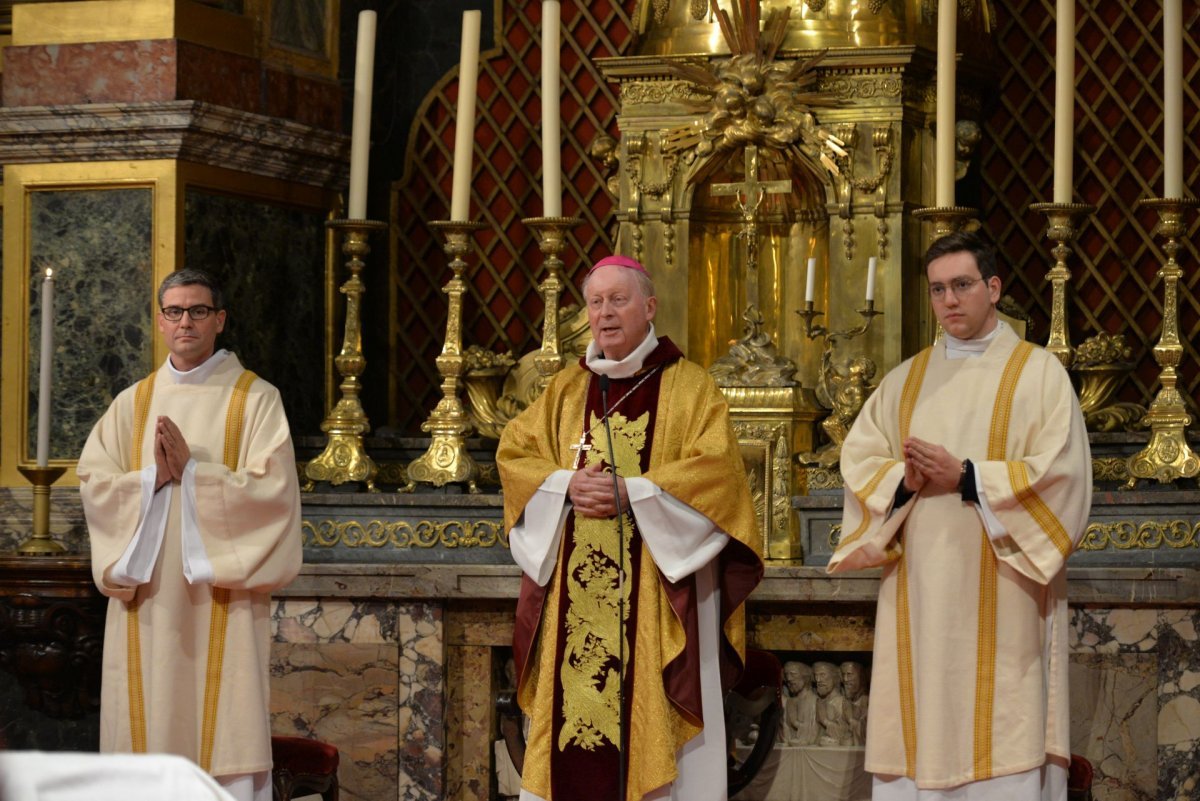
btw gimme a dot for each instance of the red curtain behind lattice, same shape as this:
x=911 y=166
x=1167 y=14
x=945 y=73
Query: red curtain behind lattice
x=1118 y=134
x=503 y=310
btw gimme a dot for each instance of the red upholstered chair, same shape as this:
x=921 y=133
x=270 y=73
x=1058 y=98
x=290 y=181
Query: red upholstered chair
x=1079 y=779
x=303 y=767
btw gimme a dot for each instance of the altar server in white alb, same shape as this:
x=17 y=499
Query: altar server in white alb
x=193 y=507
x=968 y=479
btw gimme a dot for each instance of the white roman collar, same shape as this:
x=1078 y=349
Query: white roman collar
x=200 y=374
x=967 y=348
x=628 y=366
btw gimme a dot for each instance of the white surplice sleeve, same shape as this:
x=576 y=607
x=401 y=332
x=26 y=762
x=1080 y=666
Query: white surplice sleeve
x=136 y=564
x=534 y=539
x=680 y=539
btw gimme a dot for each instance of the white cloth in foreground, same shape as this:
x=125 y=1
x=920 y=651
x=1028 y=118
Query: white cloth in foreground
x=41 y=776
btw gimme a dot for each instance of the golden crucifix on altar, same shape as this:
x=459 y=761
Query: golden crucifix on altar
x=750 y=194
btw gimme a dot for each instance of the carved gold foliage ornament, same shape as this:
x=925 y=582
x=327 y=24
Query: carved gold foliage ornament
x=1150 y=535
x=754 y=100
x=822 y=478
x=776 y=475
x=403 y=534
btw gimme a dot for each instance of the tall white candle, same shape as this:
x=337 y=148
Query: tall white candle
x=1172 y=98
x=810 y=281
x=1064 y=102
x=871 y=263
x=45 y=370
x=464 y=123
x=360 y=131
x=944 y=147
x=551 y=136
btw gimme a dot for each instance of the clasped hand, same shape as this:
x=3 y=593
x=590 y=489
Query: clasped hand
x=591 y=492
x=171 y=452
x=929 y=464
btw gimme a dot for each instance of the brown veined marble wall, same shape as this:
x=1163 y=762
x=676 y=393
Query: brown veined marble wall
x=98 y=242
x=366 y=676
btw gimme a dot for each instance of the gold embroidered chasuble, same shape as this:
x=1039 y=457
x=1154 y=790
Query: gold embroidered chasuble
x=185 y=666
x=693 y=455
x=969 y=680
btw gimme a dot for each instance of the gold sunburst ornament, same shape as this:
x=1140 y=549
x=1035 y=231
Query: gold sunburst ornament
x=759 y=101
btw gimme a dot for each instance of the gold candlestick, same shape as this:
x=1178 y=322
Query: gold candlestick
x=1167 y=456
x=447 y=460
x=841 y=388
x=40 y=543
x=344 y=458
x=1063 y=223
x=948 y=219
x=551 y=233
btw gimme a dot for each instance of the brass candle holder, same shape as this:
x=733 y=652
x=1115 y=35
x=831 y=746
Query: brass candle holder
x=40 y=543
x=1063 y=221
x=948 y=219
x=551 y=233
x=814 y=331
x=447 y=460
x=842 y=389
x=344 y=458
x=1167 y=456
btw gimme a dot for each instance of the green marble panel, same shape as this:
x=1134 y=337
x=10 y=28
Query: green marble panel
x=270 y=260
x=98 y=242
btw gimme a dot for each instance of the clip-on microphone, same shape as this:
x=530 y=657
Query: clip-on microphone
x=612 y=455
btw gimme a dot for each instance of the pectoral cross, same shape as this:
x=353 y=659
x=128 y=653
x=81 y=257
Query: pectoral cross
x=579 y=448
x=750 y=193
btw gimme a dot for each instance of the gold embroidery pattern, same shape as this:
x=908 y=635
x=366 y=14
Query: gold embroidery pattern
x=985 y=638
x=862 y=496
x=1002 y=411
x=908 y=702
x=591 y=687
x=220 y=601
x=1018 y=476
x=912 y=388
x=985 y=663
x=133 y=634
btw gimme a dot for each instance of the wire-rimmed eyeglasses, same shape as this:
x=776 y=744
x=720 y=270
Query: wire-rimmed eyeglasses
x=958 y=287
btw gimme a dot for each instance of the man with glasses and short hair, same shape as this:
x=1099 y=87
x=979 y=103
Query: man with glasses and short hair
x=968 y=479
x=192 y=501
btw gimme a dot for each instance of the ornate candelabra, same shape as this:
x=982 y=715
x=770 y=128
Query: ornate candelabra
x=447 y=460
x=948 y=219
x=551 y=234
x=1063 y=223
x=344 y=458
x=40 y=543
x=1167 y=456
x=844 y=390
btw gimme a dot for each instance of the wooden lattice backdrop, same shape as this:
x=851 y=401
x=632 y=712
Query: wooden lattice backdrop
x=1118 y=123
x=503 y=310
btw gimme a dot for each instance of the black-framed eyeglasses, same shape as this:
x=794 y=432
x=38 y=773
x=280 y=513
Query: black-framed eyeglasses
x=959 y=286
x=198 y=312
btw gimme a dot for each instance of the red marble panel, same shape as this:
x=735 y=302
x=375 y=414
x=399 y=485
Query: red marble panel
x=308 y=100
x=51 y=75
x=220 y=78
